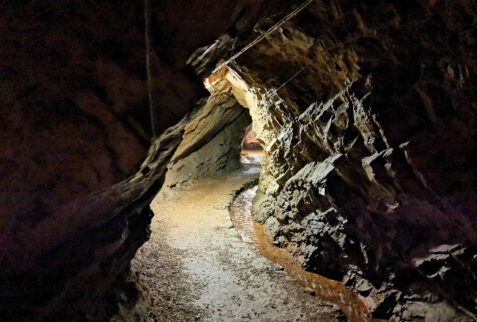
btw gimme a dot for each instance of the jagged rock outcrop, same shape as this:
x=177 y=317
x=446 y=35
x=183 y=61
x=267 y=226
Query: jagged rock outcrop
x=211 y=142
x=366 y=114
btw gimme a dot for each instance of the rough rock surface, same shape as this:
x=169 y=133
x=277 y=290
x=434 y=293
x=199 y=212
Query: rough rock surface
x=367 y=116
x=211 y=143
x=366 y=111
x=75 y=128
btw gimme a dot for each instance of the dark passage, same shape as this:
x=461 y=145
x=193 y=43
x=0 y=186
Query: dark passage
x=125 y=133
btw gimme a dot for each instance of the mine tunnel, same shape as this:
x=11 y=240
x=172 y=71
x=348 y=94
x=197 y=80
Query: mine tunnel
x=180 y=160
x=252 y=150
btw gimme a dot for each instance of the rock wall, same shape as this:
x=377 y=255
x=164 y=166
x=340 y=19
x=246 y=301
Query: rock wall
x=75 y=129
x=211 y=143
x=367 y=114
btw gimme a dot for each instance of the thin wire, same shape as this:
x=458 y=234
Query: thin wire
x=147 y=34
x=265 y=34
x=294 y=75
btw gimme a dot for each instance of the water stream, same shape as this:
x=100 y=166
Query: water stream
x=253 y=232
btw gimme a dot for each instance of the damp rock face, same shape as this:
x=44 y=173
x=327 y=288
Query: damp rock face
x=367 y=116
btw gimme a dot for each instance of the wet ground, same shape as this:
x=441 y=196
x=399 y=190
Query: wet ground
x=253 y=233
x=199 y=269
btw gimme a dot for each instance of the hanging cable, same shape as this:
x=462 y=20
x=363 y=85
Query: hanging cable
x=147 y=34
x=290 y=79
x=265 y=34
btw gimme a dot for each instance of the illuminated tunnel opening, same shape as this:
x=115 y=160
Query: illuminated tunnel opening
x=252 y=151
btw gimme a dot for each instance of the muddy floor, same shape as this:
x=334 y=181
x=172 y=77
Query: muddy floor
x=198 y=268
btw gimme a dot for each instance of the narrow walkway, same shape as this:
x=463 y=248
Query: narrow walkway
x=199 y=269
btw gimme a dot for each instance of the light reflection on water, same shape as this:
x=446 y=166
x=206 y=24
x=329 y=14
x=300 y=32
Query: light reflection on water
x=253 y=233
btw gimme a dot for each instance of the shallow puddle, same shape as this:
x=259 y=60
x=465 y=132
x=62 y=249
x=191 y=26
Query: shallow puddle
x=253 y=233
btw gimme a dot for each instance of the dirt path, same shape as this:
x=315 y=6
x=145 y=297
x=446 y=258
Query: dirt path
x=199 y=269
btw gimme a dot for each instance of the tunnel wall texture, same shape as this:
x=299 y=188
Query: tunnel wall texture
x=369 y=142
x=367 y=117
x=210 y=145
x=77 y=165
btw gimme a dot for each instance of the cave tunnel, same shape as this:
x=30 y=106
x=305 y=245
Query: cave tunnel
x=252 y=150
x=182 y=160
